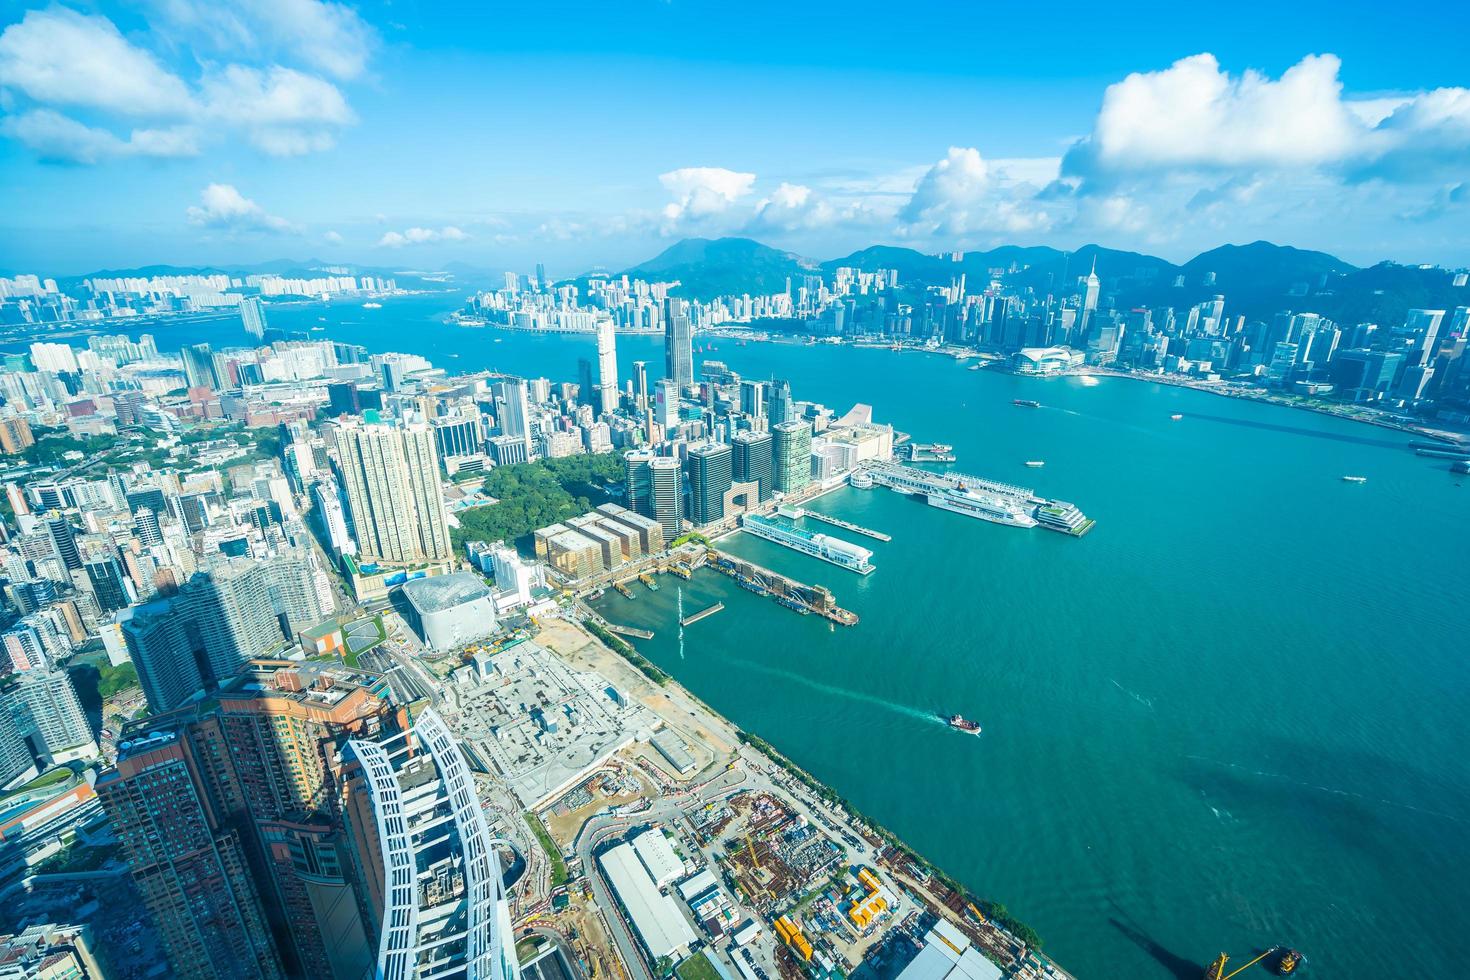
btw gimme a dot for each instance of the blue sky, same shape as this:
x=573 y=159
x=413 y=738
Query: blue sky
x=413 y=134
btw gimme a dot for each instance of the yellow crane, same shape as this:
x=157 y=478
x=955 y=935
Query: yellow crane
x=754 y=860
x=1216 y=970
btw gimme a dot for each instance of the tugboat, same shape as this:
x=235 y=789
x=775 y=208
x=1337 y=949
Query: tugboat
x=1025 y=403
x=962 y=724
x=1289 y=961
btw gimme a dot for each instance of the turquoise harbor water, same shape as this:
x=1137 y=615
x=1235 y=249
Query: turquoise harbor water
x=1234 y=715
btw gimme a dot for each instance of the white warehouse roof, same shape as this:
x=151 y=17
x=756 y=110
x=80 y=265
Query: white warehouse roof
x=658 y=857
x=659 y=923
x=948 y=955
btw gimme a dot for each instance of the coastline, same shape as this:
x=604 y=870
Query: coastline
x=889 y=848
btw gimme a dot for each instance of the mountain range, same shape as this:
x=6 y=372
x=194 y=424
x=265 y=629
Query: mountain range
x=1257 y=280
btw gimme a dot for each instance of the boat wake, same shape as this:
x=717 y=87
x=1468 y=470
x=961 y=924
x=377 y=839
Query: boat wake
x=841 y=692
x=1146 y=702
x=1330 y=790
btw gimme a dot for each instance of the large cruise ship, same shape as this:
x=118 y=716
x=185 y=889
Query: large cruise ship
x=963 y=499
x=823 y=546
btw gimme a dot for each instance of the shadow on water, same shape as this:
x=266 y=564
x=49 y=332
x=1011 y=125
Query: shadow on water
x=1297 y=430
x=1178 y=966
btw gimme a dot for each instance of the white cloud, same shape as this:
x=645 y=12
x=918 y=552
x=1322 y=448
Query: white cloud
x=329 y=37
x=700 y=192
x=225 y=208
x=60 y=57
x=1194 y=117
x=332 y=238
x=61 y=139
x=962 y=195
x=57 y=58
x=422 y=236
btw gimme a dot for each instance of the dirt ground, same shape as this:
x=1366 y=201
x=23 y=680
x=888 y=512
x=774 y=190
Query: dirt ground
x=709 y=737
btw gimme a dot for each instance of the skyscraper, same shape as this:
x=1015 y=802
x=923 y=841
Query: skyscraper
x=791 y=454
x=390 y=478
x=244 y=801
x=442 y=903
x=41 y=723
x=607 y=367
x=782 y=408
x=515 y=410
x=188 y=861
x=678 y=344
x=666 y=489
x=199 y=367
x=751 y=461
x=252 y=316
x=640 y=384
x=709 y=481
x=1090 y=289
x=226 y=614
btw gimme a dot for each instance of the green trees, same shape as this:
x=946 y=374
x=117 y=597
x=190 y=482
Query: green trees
x=533 y=495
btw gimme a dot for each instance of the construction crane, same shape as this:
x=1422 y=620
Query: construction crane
x=754 y=860
x=1216 y=970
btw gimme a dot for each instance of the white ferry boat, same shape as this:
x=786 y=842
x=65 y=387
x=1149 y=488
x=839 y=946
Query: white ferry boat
x=986 y=506
x=842 y=553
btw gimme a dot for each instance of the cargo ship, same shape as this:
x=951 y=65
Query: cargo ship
x=962 y=724
x=1025 y=403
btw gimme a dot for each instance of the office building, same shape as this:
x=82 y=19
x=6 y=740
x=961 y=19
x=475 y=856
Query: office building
x=15 y=435
x=199 y=367
x=655 y=489
x=456 y=435
x=709 y=481
x=390 y=478
x=666 y=404
x=751 y=461
x=252 y=316
x=678 y=344
x=442 y=910
x=640 y=384
x=791 y=455
x=515 y=410
x=607 y=367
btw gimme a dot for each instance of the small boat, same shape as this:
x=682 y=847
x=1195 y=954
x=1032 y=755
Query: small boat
x=372 y=306
x=962 y=724
x=1355 y=479
x=1025 y=403
x=1289 y=961
x=1176 y=417
x=1035 y=462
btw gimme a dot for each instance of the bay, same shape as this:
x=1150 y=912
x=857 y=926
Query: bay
x=1232 y=716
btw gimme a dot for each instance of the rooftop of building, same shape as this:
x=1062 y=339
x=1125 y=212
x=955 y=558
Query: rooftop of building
x=440 y=592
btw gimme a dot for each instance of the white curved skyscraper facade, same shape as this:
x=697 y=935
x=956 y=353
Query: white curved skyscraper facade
x=444 y=914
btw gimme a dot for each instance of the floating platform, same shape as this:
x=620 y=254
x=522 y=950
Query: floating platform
x=691 y=620
x=632 y=631
x=802 y=598
x=848 y=526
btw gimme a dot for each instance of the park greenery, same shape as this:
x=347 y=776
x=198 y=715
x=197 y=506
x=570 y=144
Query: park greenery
x=532 y=495
x=559 y=873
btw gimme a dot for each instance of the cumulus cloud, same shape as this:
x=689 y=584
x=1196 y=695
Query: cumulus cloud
x=58 y=138
x=422 y=236
x=224 y=208
x=961 y=195
x=332 y=237
x=1194 y=117
x=700 y=192
x=61 y=61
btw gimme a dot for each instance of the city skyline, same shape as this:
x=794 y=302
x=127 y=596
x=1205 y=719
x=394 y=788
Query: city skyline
x=185 y=134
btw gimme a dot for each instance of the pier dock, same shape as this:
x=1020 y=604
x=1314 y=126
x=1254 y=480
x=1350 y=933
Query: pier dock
x=690 y=620
x=847 y=525
x=632 y=631
x=798 y=596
